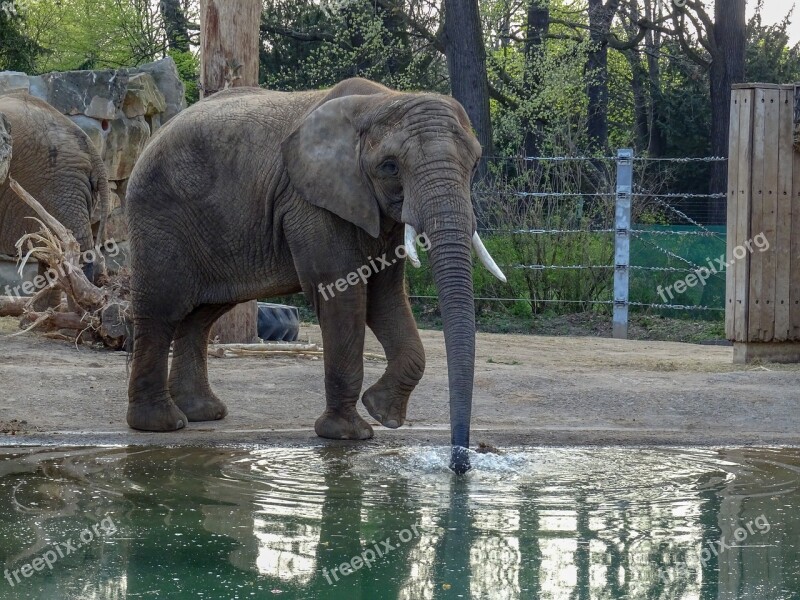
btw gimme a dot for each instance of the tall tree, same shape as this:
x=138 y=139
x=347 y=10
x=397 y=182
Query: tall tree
x=723 y=40
x=229 y=58
x=18 y=52
x=176 y=25
x=601 y=15
x=727 y=68
x=229 y=44
x=466 y=63
x=537 y=23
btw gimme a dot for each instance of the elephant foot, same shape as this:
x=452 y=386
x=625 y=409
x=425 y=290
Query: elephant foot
x=338 y=426
x=201 y=407
x=386 y=404
x=156 y=416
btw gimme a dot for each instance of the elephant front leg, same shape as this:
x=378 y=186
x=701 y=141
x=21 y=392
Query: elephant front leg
x=342 y=319
x=390 y=318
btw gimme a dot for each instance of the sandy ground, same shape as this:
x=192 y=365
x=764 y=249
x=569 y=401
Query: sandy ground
x=528 y=390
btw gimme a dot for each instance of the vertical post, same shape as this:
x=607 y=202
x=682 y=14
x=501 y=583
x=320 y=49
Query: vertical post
x=229 y=38
x=622 y=242
x=229 y=58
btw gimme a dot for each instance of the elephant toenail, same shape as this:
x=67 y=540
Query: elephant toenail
x=392 y=424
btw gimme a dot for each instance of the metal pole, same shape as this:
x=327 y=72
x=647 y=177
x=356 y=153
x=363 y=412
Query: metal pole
x=622 y=242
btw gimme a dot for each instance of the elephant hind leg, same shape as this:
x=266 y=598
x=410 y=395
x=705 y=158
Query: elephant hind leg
x=188 y=377
x=150 y=407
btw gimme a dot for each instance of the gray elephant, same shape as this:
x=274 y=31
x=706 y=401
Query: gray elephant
x=54 y=160
x=253 y=194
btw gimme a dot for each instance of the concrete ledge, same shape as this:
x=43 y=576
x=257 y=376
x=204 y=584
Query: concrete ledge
x=775 y=352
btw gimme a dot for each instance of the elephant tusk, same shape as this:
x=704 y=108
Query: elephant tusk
x=486 y=258
x=411 y=245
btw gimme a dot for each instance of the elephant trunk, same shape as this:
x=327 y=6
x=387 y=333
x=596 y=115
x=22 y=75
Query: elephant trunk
x=450 y=233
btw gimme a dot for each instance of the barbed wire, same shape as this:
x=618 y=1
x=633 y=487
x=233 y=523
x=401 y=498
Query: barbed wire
x=681 y=195
x=556 y=267
x=685 y=159
x=552 y=158
x=674 y=306
x=686 y=217
x=695 y=268
x=665 y=269
x=670 y=232
x=546 y=231
x=541 y=301
x=495 y=193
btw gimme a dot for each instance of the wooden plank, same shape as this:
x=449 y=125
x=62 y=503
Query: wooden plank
x=794 y=290
x=741 y=254
x=742 y=232
x=733 y=182
x=769 y=214
x=763 y=86
x=783 y=235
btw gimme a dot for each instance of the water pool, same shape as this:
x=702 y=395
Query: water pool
x=375 y=522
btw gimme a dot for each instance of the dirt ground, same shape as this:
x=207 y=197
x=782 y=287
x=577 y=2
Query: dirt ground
x=528 y=390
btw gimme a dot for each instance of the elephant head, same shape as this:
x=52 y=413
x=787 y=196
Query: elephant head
x=391 y=158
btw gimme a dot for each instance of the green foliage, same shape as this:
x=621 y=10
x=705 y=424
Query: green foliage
x=18 y=52
x=93 y=34
x=306 y=47
x=769 y=58
x=188 y=66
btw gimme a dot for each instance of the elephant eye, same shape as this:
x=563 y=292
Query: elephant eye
x=389 y=168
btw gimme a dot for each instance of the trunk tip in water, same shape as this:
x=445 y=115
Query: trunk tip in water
x=459 y=460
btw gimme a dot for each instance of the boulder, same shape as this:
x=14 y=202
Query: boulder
x=143 y=97
x=97 y=94
x=13 y=80
x=165 y=74
x=96 y=130
x=125 y=142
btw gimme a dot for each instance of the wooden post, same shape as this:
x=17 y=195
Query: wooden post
x=228 y=44
x=762 y=304
x=229 y=58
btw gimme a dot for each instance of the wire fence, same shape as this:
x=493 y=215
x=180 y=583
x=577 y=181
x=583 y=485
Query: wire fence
x=608 y=232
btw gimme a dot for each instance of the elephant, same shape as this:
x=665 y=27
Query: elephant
x=252 y=193
x=5 y=148
x=56 y=162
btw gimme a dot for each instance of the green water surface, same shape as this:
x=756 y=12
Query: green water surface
x=303 y=522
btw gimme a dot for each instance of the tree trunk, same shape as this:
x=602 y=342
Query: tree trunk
x=600 y=18
x=538 y=22
x=229 y=38
x=229 y=44
x=466 y=63
x=727 y=68
x=638 y=81
x=640 y=112
x=658 y=140
x=239 y=326
x=175 y=24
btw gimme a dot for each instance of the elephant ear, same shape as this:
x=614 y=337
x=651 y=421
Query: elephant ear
x=322 y=156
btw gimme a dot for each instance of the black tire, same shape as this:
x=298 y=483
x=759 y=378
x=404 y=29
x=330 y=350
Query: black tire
x=278 y=322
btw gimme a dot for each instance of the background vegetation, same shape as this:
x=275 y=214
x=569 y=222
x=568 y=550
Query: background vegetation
x=539 y=78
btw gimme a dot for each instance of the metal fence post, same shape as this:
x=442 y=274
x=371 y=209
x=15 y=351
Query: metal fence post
x=622 y=242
